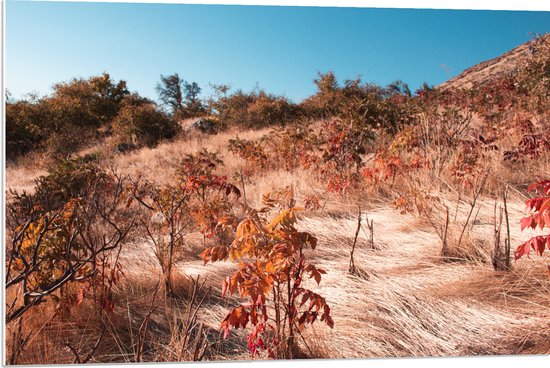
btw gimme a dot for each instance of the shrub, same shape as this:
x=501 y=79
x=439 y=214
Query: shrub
x=62 y=122
x=209 y=191
x=165 y=224
x=534 y=76
x=540 y=206
x=67 y=179
x=87 y=102
x=60 y=245
x=24 y=130
x=253 y=110
x=198 y=197
x=361 y=104
x=139 y=123
x=273 y=266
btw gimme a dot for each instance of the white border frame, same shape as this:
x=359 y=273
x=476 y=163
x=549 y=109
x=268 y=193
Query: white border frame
x=486 y=362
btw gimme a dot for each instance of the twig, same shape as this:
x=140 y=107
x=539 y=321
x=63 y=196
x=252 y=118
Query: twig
x=351 y=261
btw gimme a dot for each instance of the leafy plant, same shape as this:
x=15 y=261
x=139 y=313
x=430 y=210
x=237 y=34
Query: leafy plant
x=540 y=206
x=55 y=248
x=254 y=110
x=273 y=267
x=210 y=191
x=139 y=123
x=166 y=224
x=67 y=179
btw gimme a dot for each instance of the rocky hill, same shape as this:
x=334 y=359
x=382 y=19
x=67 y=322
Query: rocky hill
x=504 y=64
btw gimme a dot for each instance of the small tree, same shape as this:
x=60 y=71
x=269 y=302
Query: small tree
x=166 y=224
x=170 y=90
x=210 y=192
x=180 y=97
x=273 y=266
x=198 y=197
x=193 y=104
x=64 y=249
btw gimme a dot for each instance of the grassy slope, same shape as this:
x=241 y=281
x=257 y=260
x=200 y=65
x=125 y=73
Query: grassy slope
x=408 y=302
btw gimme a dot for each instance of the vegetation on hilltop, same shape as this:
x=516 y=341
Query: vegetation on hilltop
x=79 y=241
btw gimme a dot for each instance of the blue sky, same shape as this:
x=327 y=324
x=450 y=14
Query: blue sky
x=280 y=49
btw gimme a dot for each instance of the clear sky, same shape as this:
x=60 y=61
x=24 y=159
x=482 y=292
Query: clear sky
x=280 y=49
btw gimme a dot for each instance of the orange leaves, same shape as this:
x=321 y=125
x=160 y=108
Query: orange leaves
x=252 y=152
x=271 y=270
x=285 y=220
x=237 y=318
x=214 y=254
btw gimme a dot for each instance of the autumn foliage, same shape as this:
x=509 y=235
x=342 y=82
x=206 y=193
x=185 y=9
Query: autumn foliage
x=539 y=218
x=272 y=270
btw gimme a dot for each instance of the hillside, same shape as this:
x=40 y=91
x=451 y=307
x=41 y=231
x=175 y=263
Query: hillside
x=374 y=222
x=503 y=65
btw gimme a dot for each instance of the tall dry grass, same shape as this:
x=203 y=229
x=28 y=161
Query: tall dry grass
x=408 y=299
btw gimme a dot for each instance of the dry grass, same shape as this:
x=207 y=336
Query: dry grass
x=408 y=301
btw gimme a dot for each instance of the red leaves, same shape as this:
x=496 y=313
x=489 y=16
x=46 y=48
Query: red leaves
x=388 y=166
x=540 y=218
x=527 y=222
x=542 y=187
x=537 y=243
x=317 y=305
x=272 y=261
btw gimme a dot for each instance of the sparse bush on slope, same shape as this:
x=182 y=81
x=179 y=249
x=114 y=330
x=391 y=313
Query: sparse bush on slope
x=253 y=110
x=63 y=122
x=139 y=123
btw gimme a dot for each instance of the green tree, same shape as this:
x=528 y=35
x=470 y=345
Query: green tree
x=193 y=104
x=170 y=90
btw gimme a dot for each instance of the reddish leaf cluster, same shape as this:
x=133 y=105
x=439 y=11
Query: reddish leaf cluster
x=272 y=268
x=540 y=206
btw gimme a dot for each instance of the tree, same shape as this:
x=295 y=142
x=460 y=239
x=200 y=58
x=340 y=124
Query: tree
x=192 y=91
x=88 y=102
x=139 y=122
x=193 y=104
x=170 y=90
x=272 y=256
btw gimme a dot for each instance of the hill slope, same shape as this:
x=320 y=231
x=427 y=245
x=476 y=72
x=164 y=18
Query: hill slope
x=485 y=71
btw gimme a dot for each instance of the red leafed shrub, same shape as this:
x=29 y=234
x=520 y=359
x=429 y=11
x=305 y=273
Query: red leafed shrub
x=209 y=190
x=272 y=269
x=540 y=217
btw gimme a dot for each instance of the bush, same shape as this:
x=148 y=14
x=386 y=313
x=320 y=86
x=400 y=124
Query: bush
x=253 y=110
x=58 y=122
x=67 y=179
x=89 y=102
x=534 y=77
x=272 y=257
x=139 y=123
x=23 y=130
x=63 y=239
x=359 y=104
